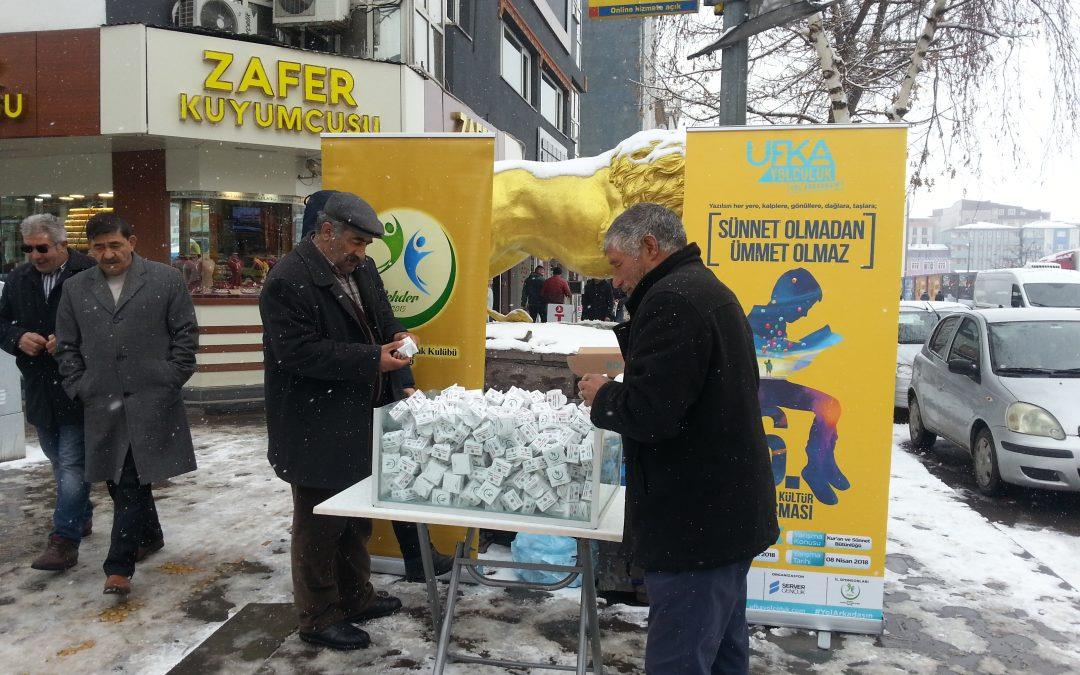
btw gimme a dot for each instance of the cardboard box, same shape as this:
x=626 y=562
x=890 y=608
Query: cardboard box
x=606 y=360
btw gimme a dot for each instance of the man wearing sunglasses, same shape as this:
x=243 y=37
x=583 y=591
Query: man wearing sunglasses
x=27 y=326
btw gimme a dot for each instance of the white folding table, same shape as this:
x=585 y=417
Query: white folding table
x=358 y=502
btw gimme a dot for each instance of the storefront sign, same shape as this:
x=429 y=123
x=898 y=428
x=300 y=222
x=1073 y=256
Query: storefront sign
x=316 y=85
x=467 y=125
x=625 y=9
x=805 y=224
x=12 y=106
x=218 y=89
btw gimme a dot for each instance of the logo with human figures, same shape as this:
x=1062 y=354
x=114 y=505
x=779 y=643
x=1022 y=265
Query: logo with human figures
x=418 y=265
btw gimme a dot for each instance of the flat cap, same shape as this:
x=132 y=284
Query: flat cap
x=345 y=207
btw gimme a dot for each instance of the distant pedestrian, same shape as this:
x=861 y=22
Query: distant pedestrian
x=597 y=300
x=330 y=341
x=700 y=499
x=126 y=341
x=532 y=296
x=555 y=291
x=27 y=331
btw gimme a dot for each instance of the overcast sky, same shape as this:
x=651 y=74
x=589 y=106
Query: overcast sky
x=1040 y=175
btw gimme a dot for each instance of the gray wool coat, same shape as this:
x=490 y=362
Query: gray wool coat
x=126 y=362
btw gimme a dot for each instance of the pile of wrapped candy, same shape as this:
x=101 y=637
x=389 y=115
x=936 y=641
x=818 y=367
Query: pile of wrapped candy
x=516 y=452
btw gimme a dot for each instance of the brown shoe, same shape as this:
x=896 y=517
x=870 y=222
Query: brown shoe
x=117 y=585
x=148 y=549
x=60 y=554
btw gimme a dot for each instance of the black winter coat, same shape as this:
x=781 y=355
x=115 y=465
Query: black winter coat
x=597 y=300
x=322 y=371
x=699 y=487
x=24 y=308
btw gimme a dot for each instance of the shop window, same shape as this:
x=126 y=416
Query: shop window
x=551 y=101
x=73 y=209
x=242 y=238
x=516 y=64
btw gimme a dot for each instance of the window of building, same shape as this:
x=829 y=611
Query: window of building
x=386 y=34
x=559 y=8
x=575 y=116
x=551 y=101
x=460 y=12
x=516 y=66
x=428 y=36
x=575 y=30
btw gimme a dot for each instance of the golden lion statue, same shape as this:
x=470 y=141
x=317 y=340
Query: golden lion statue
x=563 y=209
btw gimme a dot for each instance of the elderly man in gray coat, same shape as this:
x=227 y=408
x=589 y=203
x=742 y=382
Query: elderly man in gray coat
x=126 y=342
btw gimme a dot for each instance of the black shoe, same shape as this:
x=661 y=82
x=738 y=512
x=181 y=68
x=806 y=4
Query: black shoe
x=414 y=567
x=341 y=635
x=148 y=549
x=383 y=605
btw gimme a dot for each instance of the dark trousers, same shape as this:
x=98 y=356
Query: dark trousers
x=538 y=312
x=331 y=568
x=697 y=622
x=135 y=520
x=408 y=539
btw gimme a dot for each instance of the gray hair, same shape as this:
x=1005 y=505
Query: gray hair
x=44 y=223
x=339 y=227
x=631 y=227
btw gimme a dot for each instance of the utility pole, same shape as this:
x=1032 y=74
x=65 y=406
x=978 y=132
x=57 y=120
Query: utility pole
x=742 y=20
x=734 y=68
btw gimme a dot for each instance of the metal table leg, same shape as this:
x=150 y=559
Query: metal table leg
x=588 y=588
x=583 y=618
x=451 y=601
x=429 y=576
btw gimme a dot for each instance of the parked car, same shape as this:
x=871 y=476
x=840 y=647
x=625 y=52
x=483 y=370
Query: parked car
x=1003 y=384
x=917 y=321
x=1027 y=287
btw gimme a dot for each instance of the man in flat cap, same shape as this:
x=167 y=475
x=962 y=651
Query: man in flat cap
x=329 y=343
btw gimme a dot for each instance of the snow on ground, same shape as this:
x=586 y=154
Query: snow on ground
x=548 y=338
x=961 y=594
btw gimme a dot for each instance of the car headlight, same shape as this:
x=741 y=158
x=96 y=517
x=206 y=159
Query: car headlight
x=903 y=370
x=1024 y=418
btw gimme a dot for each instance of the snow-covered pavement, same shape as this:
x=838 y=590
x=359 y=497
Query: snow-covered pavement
x=962 y=594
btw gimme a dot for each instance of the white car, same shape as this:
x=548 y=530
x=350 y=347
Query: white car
x=1004 y=385
x=1027 y=287
x=917 y=321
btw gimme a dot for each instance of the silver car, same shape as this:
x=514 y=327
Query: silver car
x=1005 y=385
x=917 y=321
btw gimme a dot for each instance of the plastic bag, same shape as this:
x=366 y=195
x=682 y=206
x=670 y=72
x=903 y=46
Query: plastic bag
x=547 y=549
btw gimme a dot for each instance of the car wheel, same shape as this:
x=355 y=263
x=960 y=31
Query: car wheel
x=984 y=460
x=920 y=437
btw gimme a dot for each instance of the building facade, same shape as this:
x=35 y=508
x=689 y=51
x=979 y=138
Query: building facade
x=619 y=103
x=200 y=123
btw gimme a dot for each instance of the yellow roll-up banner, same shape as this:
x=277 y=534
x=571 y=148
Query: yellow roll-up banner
x=805 y=224
x=433 y=195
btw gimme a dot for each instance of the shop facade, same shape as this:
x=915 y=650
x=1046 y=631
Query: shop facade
x=207 y=145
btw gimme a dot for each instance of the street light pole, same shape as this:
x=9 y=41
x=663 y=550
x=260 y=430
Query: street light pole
x=734 y=68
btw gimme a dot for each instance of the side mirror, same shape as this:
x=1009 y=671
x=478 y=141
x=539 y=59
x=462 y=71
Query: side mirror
x=964 y=367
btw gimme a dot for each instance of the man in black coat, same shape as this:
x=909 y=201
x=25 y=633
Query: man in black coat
x=530 y=294
x=27 y=330
x=700 y=500
x=328 y=346
x=597 y=300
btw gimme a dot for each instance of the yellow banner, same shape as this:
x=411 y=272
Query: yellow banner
x=433 y=195
x=805 y=224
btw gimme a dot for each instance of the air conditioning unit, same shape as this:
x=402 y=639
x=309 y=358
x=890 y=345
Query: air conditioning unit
x=226 y=16
x=301 y=12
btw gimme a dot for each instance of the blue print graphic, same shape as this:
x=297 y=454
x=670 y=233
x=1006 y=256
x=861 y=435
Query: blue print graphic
x=413 y=256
